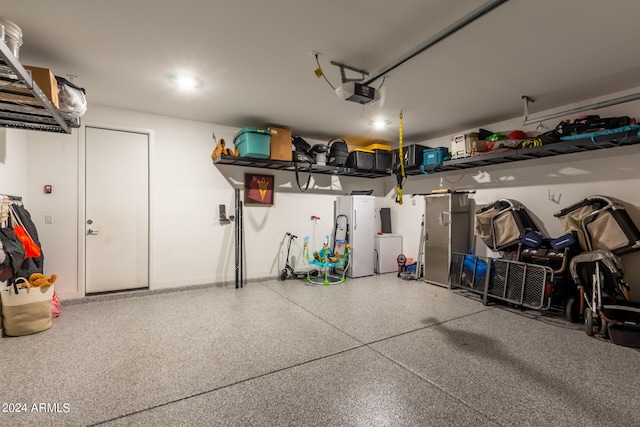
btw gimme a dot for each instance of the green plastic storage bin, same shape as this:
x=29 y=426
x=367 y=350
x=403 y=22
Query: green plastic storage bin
x=253 y=142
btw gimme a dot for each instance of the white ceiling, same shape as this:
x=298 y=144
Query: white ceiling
x=253 y=58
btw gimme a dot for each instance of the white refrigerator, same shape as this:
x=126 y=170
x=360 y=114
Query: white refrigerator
x=359 y=213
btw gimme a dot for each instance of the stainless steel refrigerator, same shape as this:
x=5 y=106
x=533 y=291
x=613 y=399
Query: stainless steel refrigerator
x=446 y=231
x=359 y=214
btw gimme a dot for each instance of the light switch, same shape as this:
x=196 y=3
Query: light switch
x=48 y=219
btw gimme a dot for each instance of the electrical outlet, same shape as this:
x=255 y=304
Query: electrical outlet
x=48 y=219
x=413 y=202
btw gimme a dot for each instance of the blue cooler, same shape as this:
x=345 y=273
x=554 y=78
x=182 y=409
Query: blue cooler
x=253 y=142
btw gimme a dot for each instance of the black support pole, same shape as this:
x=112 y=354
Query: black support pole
x=237 y=237
x=241 y=243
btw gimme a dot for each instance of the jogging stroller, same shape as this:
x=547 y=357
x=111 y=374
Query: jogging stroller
x=503 y=224
x=601 y=223
x=556 y=254
x=609 y=310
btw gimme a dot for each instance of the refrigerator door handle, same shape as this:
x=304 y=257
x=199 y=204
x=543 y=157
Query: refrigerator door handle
x=441 y=218
x=355 y=219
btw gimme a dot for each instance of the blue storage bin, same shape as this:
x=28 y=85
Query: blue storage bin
x=435 y=156
x=475 y=266
x=253 y=142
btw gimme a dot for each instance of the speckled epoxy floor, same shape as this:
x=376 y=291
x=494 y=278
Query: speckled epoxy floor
x=372 y=351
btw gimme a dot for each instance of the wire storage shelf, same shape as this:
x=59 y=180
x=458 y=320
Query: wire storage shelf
x=514 y=282
x=291 y=166
x=588 y=143
x=549 y=150
x=23 y=105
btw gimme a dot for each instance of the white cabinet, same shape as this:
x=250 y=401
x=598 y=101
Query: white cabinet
x=387 y=247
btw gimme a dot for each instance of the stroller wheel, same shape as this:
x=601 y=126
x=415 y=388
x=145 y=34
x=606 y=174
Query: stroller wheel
x=283 y=274
x=572 y=310
x=588 y=322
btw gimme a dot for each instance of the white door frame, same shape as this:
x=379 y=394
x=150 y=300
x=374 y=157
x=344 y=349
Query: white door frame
x=81 y=230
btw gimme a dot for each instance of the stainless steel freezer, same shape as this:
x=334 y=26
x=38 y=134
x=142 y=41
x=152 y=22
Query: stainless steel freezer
x=446 y=231
x=360 y=213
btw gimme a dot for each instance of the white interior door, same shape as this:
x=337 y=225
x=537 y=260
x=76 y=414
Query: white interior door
x=116 y=210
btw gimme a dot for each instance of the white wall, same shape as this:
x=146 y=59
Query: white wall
x=189 y=244
x=568 y=178
x=13 y=162
x=52 y=159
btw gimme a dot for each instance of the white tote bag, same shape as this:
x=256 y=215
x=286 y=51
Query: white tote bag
x=28 y=311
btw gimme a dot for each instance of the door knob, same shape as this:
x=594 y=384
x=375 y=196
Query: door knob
x=92 y=232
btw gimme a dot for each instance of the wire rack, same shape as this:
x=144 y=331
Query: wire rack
x=515 y=282
x=23 y=105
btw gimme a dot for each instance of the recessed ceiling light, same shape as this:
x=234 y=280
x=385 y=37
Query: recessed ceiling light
x=380 y=124
x=184 y=81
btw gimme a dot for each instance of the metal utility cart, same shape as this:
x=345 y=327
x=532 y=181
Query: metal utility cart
x=519 y=283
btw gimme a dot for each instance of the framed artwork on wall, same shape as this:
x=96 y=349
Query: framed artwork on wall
x=258 y=189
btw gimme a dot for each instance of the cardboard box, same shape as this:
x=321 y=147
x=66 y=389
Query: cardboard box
x=281 y=144
x=46 y=81
x=461 y=145
x=478 y=147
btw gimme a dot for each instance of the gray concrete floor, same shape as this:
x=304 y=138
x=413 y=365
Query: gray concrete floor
x=377 y=351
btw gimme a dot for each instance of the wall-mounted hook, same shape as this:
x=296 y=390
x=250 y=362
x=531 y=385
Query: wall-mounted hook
x=552 y=197
x=223 y=215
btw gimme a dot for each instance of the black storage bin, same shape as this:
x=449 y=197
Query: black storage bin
x=382 y=160
x=413 y=156
x=362 y=160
